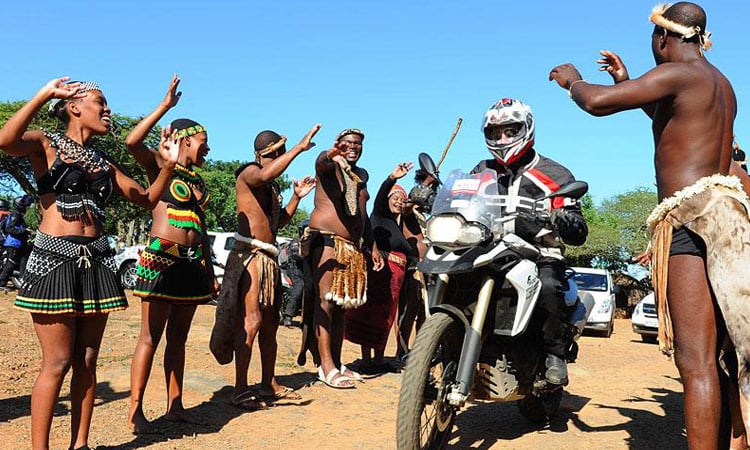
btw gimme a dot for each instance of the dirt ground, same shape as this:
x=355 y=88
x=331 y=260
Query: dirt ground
x=622 y=394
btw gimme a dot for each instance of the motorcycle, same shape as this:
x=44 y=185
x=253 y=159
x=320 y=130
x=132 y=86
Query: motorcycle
x=477 y=343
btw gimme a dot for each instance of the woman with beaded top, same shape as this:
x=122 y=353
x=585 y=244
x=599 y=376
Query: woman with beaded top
x=174 y=273
x=70 y=284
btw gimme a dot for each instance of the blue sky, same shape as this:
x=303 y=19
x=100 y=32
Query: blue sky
x=401 y=71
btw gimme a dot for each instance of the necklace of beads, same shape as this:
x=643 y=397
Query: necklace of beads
x=66 y=148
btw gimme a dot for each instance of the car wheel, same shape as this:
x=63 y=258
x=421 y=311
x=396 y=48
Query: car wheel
x=128 y=274
x=610 y=329
x=649 y=339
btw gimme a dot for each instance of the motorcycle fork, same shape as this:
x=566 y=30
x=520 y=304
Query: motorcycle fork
x=472 y=346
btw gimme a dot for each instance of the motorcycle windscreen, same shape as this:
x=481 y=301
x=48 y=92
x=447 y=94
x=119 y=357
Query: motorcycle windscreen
x=473 y=196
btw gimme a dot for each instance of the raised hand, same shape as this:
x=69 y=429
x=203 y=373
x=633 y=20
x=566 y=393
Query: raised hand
x=304 y=186
x=401 y=170
x=565 y=75
x=306 y=142
x=58 y=88
x=173 y=95
x=169 y=145
x=612 y=63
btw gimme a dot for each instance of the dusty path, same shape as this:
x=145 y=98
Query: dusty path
x=623 y=394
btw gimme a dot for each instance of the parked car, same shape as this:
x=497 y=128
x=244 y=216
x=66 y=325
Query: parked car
x=598 y=282
x=644 y=320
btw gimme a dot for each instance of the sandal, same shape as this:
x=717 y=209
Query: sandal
x=335 y=379
x=284 y=393
x=249 y=401
x=349 y=373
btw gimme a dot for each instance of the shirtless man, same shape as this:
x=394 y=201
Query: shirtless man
x=693 y=107
x=335 y=262
x=250 y=288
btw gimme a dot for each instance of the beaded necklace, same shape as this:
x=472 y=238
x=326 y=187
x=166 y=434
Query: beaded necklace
x=89 y=158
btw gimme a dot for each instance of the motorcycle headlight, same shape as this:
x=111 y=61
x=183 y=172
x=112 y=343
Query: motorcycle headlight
x=453 y=230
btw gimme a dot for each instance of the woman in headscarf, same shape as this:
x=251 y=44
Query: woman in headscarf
x=71 y=283
x=370 y=324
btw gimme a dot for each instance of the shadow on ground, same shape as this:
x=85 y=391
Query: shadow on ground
x=16 y=407
x=215 y=413
x=484 y=425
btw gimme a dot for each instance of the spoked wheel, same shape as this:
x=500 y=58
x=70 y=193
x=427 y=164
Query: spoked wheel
x=425 y=418
x=128 y=273
x=540 y=409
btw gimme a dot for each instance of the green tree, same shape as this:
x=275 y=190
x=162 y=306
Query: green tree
x=617 y=229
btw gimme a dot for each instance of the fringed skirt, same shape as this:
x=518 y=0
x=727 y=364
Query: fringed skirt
x=370 y=324
x=173 y=273
x=71 y=275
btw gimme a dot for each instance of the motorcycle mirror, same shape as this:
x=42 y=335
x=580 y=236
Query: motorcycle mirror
x=428 y=165
x=574 y=189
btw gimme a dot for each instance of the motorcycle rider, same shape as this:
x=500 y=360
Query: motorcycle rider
x=293 y=268
x=525 y=176
x=4 y=211
x=16 y=237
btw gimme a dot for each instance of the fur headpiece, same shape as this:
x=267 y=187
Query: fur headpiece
x=658 y=19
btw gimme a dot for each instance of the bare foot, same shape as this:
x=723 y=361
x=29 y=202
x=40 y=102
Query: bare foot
x=137 y=422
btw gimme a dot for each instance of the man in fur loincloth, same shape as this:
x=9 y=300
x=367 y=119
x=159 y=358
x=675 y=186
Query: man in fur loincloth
x=335 y=263
x=701 y=229
x=250 y=298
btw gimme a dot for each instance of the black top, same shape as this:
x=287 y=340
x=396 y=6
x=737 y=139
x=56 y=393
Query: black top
x=386 y=231
x=72 y=178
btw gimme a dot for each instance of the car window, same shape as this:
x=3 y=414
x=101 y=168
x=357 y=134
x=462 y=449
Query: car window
x=229 y=243
x=591 y=281
x=211 y=239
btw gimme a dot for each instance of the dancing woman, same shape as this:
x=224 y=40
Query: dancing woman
x=71 y=283
x=174 y=273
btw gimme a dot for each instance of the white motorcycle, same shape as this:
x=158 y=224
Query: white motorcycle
x=477 y=343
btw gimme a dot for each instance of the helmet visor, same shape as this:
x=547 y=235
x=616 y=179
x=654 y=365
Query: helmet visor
x=505 y=134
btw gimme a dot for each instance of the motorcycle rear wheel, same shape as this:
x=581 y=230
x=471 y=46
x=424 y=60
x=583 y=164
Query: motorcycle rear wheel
x=425 y=419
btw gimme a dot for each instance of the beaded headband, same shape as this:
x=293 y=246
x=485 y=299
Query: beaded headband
x=86 y=86
x=190 y=131
x=658 y=19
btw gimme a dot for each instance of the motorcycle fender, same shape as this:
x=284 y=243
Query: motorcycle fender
x=524 y=278
x=454 y=312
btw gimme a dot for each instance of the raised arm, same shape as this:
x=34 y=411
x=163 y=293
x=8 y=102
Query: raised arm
x=301 y=189
x=272 y=170
x=14 y=139
x=169 y=149
x=599 y=100
x=135 y=140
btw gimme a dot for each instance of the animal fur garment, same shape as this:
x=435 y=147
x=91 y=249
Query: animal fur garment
x=230 y=304
x=717 y=209
x=349 y=285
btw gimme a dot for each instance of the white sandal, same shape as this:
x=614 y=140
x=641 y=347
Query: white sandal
x=354 y=375
x=334 y=379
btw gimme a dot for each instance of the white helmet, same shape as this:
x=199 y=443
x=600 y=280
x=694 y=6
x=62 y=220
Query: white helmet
x=504 y=112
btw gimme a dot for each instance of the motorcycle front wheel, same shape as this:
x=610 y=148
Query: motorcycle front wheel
x=425 y=419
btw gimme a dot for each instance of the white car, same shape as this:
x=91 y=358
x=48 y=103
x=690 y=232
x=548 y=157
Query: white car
x=598 y=282
x=644 y=320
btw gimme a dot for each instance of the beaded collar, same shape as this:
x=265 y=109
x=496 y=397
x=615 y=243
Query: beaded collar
x=91 y=159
